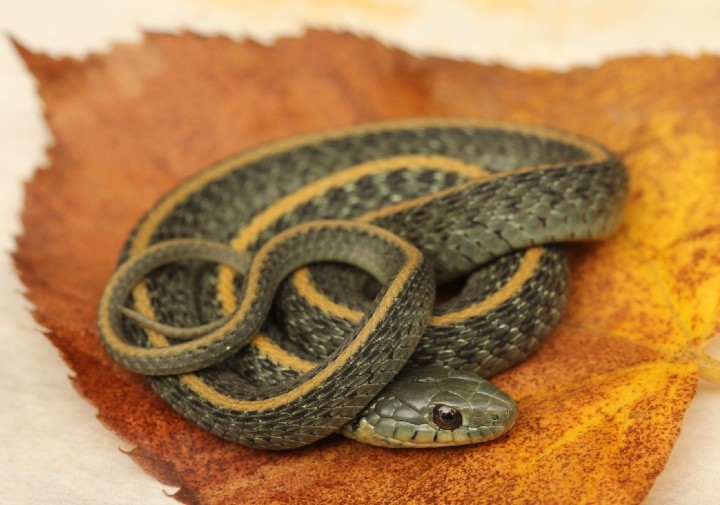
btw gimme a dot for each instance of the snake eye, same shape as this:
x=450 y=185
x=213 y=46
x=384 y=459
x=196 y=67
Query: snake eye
x=446 y=417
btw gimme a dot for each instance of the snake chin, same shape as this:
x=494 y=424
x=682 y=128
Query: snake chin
x=430 y=407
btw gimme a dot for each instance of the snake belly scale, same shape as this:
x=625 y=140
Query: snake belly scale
x=403 y=203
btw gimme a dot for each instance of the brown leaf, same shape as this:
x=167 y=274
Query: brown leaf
x=601 y=402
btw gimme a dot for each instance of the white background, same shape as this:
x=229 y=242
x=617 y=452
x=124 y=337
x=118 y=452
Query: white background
x=52 y=448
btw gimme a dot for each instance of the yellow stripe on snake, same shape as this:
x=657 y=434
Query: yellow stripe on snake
x=288 y=292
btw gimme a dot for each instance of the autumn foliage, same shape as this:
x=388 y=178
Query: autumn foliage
x=601 y=402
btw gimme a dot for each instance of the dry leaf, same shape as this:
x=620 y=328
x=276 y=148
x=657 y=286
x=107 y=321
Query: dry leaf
x=601 y=402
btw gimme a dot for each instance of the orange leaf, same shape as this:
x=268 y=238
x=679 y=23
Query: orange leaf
x=601 y=402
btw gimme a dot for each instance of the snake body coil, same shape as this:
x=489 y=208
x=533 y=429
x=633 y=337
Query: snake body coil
x=418 y=199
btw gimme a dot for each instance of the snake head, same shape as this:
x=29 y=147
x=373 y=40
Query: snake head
x=434 y=407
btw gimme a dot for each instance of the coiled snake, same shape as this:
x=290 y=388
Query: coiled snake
x=403 y=203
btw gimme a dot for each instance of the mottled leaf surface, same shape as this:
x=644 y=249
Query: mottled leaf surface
x=601 y=402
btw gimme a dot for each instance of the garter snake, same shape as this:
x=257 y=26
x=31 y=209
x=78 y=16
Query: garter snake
x=418 y=199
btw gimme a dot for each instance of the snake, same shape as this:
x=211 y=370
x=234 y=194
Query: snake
x=289 y=292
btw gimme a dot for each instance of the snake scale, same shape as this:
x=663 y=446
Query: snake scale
x=288 y=292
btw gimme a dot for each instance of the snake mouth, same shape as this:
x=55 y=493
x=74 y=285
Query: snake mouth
x=424 y=436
